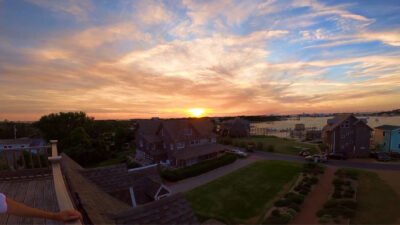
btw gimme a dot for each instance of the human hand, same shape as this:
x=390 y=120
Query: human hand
x=69 y=215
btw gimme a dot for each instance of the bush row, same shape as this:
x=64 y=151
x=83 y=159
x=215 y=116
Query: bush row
x=197 y=169
x=259 y=146
x=335 y=209
x=313 y=168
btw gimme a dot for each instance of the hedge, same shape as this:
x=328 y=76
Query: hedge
x=197 y=169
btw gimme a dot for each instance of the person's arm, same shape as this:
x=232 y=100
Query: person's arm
x=19 y=209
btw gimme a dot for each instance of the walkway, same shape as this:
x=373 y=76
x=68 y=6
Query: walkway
x=190 y=183
x=316 y=199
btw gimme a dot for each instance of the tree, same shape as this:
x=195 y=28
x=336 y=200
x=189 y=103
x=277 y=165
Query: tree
x=58 y=126
x=79 y=146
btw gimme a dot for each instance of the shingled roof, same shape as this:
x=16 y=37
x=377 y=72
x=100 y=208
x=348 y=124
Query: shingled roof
x=388 y=127
x=171 y=210
x=116 y=180
x=96 y=203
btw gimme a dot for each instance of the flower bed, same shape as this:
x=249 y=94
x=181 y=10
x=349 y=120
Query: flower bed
x=342 y=203
x=286 y=208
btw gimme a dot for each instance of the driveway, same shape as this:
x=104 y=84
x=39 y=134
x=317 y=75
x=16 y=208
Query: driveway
x=337 y=163
x=190 y=183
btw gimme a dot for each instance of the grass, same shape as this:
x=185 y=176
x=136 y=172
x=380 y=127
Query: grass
x=245 y=195
x=281 y=145
x=378 y=203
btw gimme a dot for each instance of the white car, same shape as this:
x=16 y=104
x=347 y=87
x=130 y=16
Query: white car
x=239 y=153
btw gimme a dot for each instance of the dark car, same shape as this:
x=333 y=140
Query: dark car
x=383 y=156
x=337 y=155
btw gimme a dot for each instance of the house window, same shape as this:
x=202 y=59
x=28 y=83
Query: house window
x=187 y=132
x=384 y=143
x=171 y=146
x=141 y=143
x=165 y=145
x=383 y=133
x=162 y=132
x=180 y=145
x=214 y=140
x=399 y=146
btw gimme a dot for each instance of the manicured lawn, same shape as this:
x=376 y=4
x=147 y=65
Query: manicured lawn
x=281 y=145
x=245 y=195
x=378 y=203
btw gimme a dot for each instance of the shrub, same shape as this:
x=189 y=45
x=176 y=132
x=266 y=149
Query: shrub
x=190 y=171
x=260 y=146
x=271 y=148
x=276 y=212
x=276 y=220
x=282 y=202
x=348 y=204
x=287 y=216
x=338 y=181
x=304 y=191
x=132 y=165
x=325 y=219
x=348 y=194
x=292 y=212
x=337 y=194
x=347 y=183
x=294 y=206
x=296 y=198
x=331 y=203
x=321 y=212
x=242 y=144
x=314 y=180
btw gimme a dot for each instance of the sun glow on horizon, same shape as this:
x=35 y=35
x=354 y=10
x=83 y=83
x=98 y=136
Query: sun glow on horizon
x=197 y=112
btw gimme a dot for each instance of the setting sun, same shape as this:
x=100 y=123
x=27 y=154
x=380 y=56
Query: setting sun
x=197 y=112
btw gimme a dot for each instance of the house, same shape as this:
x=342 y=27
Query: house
x=143 y=185
x=234 y=128
x=299 y=130
x=347 y=135
x=177 y=142
x=388 y=138
x=313 y=135
x=21 y=143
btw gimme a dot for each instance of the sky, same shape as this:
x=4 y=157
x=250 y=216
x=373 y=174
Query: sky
x=149 y=58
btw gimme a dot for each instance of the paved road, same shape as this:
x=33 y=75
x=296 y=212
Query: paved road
x=337 y=163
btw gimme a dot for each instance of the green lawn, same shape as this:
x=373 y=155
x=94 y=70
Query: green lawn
x=378 y=203
x=281 y=145
x=244 y=195
x=120 y=157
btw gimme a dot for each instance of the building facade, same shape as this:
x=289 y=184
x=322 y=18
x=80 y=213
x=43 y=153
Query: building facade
x=348 y=135
x=387 y=137
x=177 y=142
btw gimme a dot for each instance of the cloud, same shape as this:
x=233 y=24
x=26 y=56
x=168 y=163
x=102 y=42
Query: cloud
x=152 y=12
x=77 y=8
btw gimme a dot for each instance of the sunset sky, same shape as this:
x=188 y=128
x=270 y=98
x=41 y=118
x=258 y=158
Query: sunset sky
x=140 y=59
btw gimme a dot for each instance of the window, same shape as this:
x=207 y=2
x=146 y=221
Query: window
x=162 y=132
x=383 y=133
x=171 y=146
x=180 y=145
x=165 y=145
x=214 y=140
x=187 y=131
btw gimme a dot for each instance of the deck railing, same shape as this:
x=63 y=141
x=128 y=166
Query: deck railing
x=24 y=162
x=63 y=197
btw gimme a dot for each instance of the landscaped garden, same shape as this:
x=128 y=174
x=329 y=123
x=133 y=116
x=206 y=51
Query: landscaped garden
x=343 y=202
x=286 y=208
x=246 y=195
x=269 y=144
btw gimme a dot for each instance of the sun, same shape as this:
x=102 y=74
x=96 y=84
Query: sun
x=197 y=112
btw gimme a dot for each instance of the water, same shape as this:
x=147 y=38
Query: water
x=310 y=122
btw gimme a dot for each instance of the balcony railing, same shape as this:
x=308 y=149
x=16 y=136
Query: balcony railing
x=26 y=162
x=32 y=162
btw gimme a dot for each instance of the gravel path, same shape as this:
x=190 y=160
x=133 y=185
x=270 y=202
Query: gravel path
x=316 y=199
x=190 y=183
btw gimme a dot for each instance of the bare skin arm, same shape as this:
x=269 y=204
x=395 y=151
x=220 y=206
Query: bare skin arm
x=19 y=209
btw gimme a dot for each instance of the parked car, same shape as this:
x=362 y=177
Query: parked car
x=317 y=158
x=337 y=155
x=239 y=153
x=383 y=156
x=304 y=152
